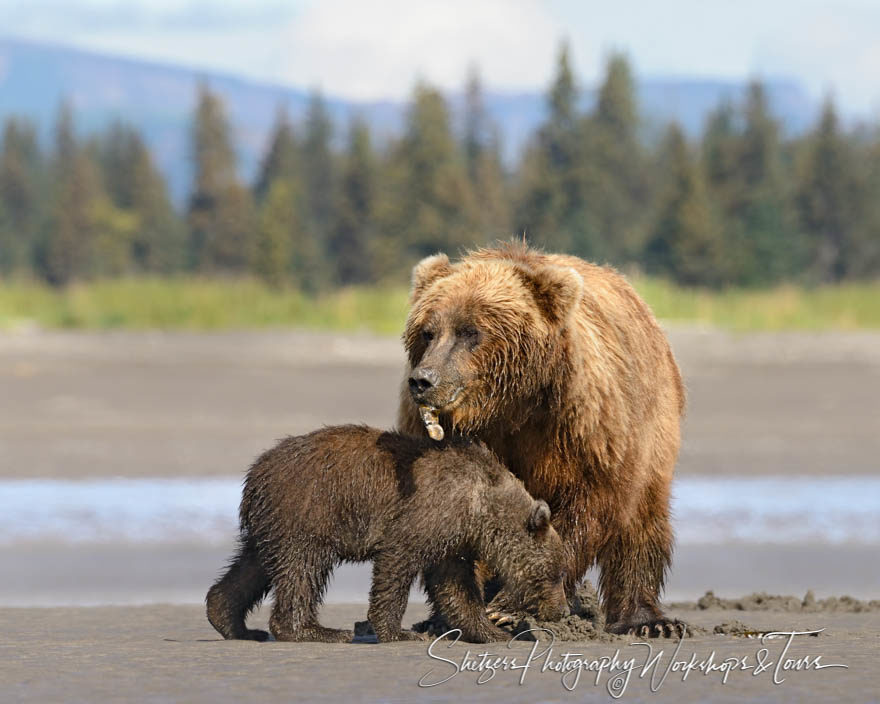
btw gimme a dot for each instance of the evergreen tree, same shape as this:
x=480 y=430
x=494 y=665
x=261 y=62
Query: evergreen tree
x=66 y=248
x=317 y=160
x=482 y=151
x=685 y=243
x=826 y=199
x=221 y=209
x=272 y=251
x=719 y=151
x=20 y=201
x=615 y=169
x=551 y=207
x=742 y=155
x=863 y=256
x=477 y=129
x=430 y=205
x=351 y=243
x=771 y=246
x=136 y=187
x=282 y=160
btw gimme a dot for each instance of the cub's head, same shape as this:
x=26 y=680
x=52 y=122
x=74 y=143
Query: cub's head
x=534 y=576
x=481 y=334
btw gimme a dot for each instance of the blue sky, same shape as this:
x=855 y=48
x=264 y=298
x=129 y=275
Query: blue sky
x=377 y=48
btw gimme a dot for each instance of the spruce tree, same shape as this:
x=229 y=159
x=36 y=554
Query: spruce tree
x=135 y=186
x=615 y=169
x=685 y=243
x=319 y=170
x=550 y=203
x=351 y=243
x=221 y=209
x=431 y=204
x=482 y=152
x=20 y=198
x=275 y=234
x=772 y=249
x=66 y=248
x=826 y=200
x=282 y=159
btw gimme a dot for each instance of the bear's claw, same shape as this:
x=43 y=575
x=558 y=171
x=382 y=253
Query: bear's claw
x=658 y=628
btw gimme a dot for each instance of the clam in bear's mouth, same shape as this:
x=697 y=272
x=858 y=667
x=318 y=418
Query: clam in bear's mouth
x=432 y=421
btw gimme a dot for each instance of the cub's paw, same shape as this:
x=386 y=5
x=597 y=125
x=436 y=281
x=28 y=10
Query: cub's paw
x=661 y=627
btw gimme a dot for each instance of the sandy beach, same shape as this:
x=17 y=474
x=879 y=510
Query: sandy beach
x=171 y=654
x=184 y=404
x=115 y=616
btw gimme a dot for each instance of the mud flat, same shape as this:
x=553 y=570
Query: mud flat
x=170 y=653
x=99 y=405
x=155 y=404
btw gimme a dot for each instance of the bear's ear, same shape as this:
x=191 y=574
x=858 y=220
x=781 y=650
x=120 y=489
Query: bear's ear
x=556 y=289
x=539 y=518
x=427 y=272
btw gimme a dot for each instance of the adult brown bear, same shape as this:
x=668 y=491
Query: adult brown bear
x=562 y=369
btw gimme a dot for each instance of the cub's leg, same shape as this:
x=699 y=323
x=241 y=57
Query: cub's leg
x=299 y=590
x=232 y=597
x=393 y=575
x=455 y=593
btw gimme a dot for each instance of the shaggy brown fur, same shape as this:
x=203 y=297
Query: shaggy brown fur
x=563 y=371
x=351 y=493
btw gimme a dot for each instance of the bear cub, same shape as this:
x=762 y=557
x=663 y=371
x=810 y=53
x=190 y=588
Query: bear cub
x=352 y=493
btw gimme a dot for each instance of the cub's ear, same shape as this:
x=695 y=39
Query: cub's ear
x=539 y=519
x=556 y=289
x=427 y=272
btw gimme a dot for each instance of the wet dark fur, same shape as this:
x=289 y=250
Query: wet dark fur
x=352 y=493
x=562 y=370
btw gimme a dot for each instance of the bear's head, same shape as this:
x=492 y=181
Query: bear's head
x=484 y=335
x=532 y=565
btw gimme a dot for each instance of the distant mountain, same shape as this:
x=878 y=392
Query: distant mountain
x=159 y=100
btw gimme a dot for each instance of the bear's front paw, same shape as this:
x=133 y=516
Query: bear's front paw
x=500 y=609
x=500 y=618
x=661 y=627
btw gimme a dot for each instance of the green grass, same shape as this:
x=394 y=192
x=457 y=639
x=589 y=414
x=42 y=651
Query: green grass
x=205 y=304
x=842 y=307
x=198 y=304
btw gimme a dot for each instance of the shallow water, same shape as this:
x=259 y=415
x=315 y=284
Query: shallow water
x=706 y=510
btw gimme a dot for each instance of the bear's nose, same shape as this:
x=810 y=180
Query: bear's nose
x=421 y=381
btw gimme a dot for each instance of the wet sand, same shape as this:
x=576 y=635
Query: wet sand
x=130 y=404
x=53 y=574
x=184 y=404
x=170 y=653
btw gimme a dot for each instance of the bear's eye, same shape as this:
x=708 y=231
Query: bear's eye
x=468 y=332
x=427 y=335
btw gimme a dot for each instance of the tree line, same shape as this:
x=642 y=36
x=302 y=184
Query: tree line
x=741 y=205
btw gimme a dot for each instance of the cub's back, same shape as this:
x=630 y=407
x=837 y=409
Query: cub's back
x=347 y=484
x=317 y=484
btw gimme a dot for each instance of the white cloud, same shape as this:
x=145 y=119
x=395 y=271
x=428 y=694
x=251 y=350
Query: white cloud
x=832 y=50
x=373 y=49
x=378 y=49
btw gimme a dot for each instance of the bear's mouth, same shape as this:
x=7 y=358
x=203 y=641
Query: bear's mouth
x=450 y=403
x=429 y=414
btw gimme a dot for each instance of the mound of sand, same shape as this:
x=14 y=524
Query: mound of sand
x=761 y=601
x=587 y=623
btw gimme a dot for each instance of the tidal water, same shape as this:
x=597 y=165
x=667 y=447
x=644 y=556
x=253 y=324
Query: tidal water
x=706 y=511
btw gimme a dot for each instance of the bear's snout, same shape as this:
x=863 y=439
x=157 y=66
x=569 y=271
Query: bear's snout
x=421 y=382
